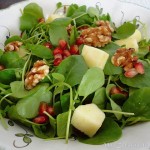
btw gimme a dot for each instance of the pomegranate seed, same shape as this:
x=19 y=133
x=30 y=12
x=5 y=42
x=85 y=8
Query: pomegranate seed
x=58 y=56
x=40 y=119
x=139 y=67
x=79 y=41
x=43 y=106
x=2 y=67
x=74 y=49
x=57 y=61
x=115 y=90
x=131 y=73
x=48 y=45
x=41 y=20
x=66 y=53
x=57 y=50
x=62 y=44
x=50 y=110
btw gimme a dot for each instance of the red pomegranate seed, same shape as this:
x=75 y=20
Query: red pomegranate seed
x=58 y=56
x=66 y=53
x=40 y=119
x=62 y=44
x=43 y=106
x=74 y=49
x=115 y=90
x=139 y=67
x=2 y=67
x=50 y=110
x=131 y=73
x=79 y=41
x=57 y=50
x=57 y=61
x=48 y=45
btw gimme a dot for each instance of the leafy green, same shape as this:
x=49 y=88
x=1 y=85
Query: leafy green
x=124 y=31
x=91 y=81
x=109 y=132
x=73 y=68
x=13 y=38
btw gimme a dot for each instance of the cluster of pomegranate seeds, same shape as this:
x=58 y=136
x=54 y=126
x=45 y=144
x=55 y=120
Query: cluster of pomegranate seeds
x=62 y=51
x=117 y=90
x=42 y=117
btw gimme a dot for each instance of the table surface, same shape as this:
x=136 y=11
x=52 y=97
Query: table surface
x=6 y=3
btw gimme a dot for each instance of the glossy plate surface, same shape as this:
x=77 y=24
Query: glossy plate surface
x=134 y=138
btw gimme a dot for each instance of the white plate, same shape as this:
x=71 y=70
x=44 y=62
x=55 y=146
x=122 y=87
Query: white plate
x=134 y=138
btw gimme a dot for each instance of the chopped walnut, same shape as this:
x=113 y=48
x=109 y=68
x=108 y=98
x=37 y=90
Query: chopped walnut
x=13 y=46
x=97 y=36
x=37 y=73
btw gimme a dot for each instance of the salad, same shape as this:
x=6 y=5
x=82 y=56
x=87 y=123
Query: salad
x=75 y=74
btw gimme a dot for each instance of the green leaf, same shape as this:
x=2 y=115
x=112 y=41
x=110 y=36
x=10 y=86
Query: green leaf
x=91 y=81
x=59 y=77
x=59 y=5
x=114 y=106
x=93 y=12
x=27 y=139
x=139 y=104
x=73 y=35
x=7 y=76
x=100 y=98
x=72 y=8
x=27 y=22
x=13 y=38
x=73 y=68
x=62 y=124
x=56 y=33
x=40 y=51
x=28 y=107
x=109 y=132
x=57 y=107
x=125 y=30
x=64 y=21
x=33 y=9
x=65 y=102
x=20 y=134
x=12 y=60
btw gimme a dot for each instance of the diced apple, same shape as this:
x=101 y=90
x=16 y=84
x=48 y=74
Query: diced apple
x=53 y=17
x=94 y=57
x=88 y=119
x=132 y=41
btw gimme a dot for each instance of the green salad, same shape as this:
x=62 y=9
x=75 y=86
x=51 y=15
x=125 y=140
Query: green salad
x=75 y=74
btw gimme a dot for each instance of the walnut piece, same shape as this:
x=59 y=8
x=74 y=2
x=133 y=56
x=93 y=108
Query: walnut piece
x=13 y=46
x=97 y=36
x=37 y=73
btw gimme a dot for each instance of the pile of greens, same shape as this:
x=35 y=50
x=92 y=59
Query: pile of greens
x=71 y=83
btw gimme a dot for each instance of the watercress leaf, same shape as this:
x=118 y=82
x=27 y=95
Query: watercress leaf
x=139 y=81
x=125 y=30
x=57 y=108
x=100 y=98
x=25 y=105
x=91 y=81
x=109 y=132
x=72 y=8
x=56 y=33
x=65 y=102
x=64 y=21
x=12 y=60
x=59 y=5
x=53 y=129
x=7 y=76
x=73 y=68
x=73 y=35
x=33 y=9
x=59 y=77
x=93 y=12
x=40 y=51
x=13 y=38
x=18 y=90
x=62 y=120
x=27 y=139
x=109 y=68
x=114 y=106
x=27 y=22
x=139 y=104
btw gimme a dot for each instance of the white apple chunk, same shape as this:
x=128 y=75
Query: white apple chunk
x=88 y=119
x=94 y=57
x=132 y=41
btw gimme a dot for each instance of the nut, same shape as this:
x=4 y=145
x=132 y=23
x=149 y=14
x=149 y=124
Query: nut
x=37 y=73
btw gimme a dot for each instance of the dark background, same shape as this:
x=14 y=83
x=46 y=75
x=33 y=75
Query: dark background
x=7 y=3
